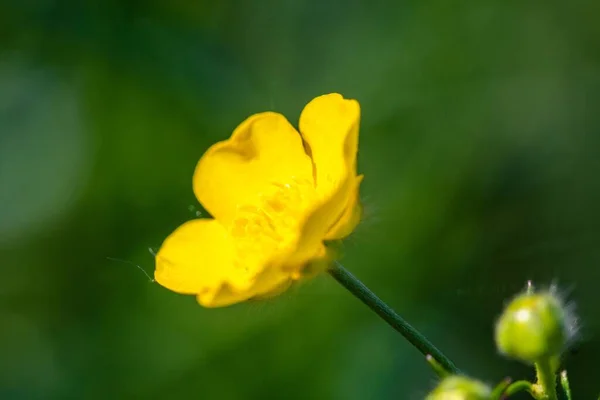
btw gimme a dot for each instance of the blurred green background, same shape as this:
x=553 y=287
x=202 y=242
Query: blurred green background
x=479 y=142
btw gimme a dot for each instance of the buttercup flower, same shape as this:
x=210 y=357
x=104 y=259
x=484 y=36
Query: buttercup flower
x=275 y=196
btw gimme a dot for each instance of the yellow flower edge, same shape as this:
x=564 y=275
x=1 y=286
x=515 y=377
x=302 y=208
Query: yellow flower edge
x=275 y=196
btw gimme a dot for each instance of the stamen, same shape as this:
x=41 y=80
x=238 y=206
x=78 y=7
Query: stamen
x=271 y=224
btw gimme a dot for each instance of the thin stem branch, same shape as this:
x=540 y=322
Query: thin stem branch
x=564 y=382
x=518 y=386
x=500 y=389
x=546 y=379
x=437 y=368
x=364 y=294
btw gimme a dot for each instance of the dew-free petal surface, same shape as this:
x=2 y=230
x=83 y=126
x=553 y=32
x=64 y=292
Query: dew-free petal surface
x=264 y=149
x=196 y=257
x=329 y=125
x=351 y=215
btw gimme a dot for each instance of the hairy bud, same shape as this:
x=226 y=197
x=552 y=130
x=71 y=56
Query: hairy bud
x=460 y=388
x=533 y=327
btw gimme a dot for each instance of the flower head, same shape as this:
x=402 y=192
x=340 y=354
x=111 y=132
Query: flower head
x=275 y=196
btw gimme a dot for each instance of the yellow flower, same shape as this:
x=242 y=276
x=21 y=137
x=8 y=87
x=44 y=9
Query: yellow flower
x=275 y=196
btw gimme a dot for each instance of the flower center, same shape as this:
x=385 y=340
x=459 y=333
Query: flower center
x=271 y=224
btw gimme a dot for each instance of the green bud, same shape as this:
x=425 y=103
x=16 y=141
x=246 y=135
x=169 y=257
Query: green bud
x=460 y=388
x=532 y=327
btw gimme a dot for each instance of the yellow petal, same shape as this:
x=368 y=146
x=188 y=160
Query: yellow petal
x=222 y=297
x=350 y=218
x=269 y=283
x=263 y=150
x=329 y=125
x=197 y=257
x=275 y=291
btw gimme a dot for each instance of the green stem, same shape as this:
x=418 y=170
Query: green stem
x=518 y=386
x=564 y=382
x=359 y=290
x=500 y=389
x=437 y=368
x=546 y=379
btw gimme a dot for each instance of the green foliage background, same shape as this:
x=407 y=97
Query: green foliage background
x=479 y=141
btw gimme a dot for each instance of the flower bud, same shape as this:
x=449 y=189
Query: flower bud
x=532 y=327
x=460 y=388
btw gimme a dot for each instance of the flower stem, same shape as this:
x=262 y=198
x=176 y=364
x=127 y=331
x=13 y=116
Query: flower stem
x=500 y=389
x=546 y=380
x=437 y=368
x=364 y=294
x=518 y=386
x=564 y=382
